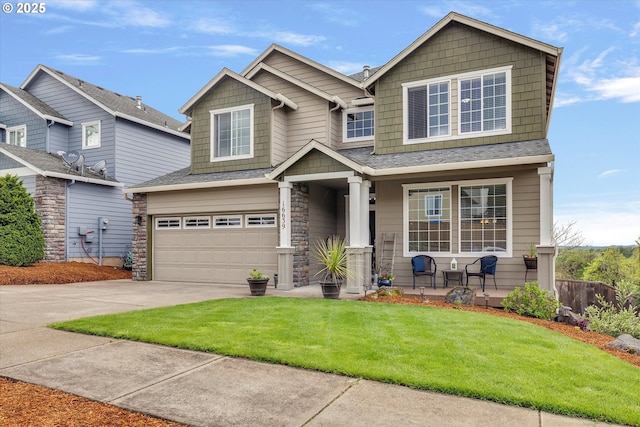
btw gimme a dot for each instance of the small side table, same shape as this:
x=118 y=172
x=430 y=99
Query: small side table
x=452 y=275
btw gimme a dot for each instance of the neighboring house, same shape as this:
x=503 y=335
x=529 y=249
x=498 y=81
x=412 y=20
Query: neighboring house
x=444 y=146
x=119 y=140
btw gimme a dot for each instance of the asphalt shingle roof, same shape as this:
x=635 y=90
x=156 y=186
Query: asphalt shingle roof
x=119 y=103
x=49 y=162
x=36 y=103
x=365 y=157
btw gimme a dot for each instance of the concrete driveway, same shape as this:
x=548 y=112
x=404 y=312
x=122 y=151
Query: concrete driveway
x=204 y=389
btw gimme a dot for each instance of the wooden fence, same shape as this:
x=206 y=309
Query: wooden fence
x=579 y=294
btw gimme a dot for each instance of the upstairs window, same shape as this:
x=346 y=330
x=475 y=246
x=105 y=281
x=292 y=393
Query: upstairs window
x=17 y=135
x=483 y=103
x=465 y=105
x=358 y=124
x=232 y=133
x=91 y=135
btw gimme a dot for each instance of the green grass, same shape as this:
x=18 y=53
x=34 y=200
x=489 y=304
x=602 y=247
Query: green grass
x=451 y=351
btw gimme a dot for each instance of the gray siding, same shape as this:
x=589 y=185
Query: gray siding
x=58 y=138
x=79 y=110
x=279 y=137
x=144 y=153
x=87 y=203
x=13 y=113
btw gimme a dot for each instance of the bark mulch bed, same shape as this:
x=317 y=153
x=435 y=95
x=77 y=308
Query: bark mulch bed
x=24 y=404
x=49 y=273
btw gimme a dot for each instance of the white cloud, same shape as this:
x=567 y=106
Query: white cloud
x=113 y=14
x=231 y=50
x=154 y=51
x=609 y=172
x=212 y=26
x=348 y=17
x=605 y=222
x=636 y=30
x=58 y=30
x=551 y=31
x=565 y=100
x=626 y=89
x=74 y=5
x=79 y=59
x=295 y=39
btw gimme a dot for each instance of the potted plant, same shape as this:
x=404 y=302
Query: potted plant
x=331 y=254
x=257 y=283
x=531 y=258
x=386 y=279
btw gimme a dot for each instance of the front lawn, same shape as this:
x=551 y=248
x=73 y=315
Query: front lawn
x=458 y=352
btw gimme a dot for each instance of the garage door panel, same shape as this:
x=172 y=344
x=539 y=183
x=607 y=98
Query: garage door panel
x=215 y=255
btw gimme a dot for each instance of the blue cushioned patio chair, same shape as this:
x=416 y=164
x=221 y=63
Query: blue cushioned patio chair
x=424 y=265
x=487 y=268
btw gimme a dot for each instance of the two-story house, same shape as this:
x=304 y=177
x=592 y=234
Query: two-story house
x=109 y=141
x=444 y=148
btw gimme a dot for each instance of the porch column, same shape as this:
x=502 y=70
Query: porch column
x=547 y=248
x=355 y=250
x=365 y=231
x=285 y=250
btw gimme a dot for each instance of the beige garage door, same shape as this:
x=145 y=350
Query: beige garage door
x=214 y=249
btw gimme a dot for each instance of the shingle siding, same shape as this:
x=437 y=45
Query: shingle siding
x=13 y=113
x=230 y=93
x=459 y=49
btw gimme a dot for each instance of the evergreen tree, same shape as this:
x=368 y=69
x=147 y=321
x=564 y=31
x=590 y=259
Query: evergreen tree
x=21 y=239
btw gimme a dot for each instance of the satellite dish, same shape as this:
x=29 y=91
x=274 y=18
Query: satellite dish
x=100 y=168
x=78 y=165
x=69 y=158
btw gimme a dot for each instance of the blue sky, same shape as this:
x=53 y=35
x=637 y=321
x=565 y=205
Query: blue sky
x=167 y=50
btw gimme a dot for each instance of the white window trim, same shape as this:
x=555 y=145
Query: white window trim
x=405 y=216
x=454 y=91
x=238 y=225
x=197 y=224
x=11 y=129
x=173 y=218
x=212 y=115
x=274 y=216
x=84 y=135
x=509 y=187
x=347 y=140
x=450 y=184
x=480 y=74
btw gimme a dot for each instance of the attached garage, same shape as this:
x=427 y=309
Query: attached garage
x=213 y=236
x=214 y=248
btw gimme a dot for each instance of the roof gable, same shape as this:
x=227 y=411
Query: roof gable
x=34 y=104
x=483 y=26
x=226 y=73
x=276 y=48
x=117 y=105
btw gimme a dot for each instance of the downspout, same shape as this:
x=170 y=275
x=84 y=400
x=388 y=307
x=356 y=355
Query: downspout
x=66 y=218
x=46 y=139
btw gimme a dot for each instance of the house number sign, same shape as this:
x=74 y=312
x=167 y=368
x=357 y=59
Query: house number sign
x=283 y=216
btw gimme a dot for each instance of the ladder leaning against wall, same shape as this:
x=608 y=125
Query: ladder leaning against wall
x=387 y=253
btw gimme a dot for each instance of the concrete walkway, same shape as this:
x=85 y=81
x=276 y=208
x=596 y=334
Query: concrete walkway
x=204 y=389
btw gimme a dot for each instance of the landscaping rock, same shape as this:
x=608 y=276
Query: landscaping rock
x=461 y=294
x=626 y=343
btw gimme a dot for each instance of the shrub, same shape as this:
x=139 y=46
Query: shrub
x=20 y=233
x=621 y=318
x=531 y=301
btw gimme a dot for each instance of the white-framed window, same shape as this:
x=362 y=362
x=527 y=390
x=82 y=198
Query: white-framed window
x=483 y=224
x=262 y=220
x=196 y=222
x=234 y=221
x=485 y=217
x=232 y=133
x=358 y=124
x=91 y=134
x=17 y=135
x=427 y=106
x=168 y=223
x=457 y=106
x=484 y=103
x=427 y=219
